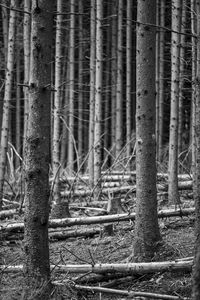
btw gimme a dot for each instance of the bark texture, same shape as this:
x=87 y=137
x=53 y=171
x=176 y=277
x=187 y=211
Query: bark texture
x=37 y=155
x=146 y=228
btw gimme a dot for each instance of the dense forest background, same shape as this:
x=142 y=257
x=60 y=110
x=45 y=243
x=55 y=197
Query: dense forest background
x=93 y=92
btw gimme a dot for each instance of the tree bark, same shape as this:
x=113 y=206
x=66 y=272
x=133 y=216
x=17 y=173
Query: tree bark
x=196 y=175
x=37 y=155
x=70 y=162
x=7 y=98
x=146 y=229
x=173 y=194
x=98 y=99
x=92 y=90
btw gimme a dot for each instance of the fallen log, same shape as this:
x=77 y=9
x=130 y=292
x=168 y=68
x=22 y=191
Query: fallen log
x=127 y=268
x=68 y=222
x=129 y=294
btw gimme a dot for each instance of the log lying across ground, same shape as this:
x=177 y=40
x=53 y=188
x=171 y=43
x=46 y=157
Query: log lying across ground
x=129 y=294
x=127 y=268
x=182 y=185
x=68 y=222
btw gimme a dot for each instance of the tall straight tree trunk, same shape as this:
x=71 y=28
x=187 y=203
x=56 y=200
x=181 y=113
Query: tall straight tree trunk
x=119 y=95
x=128 y=77
x=37 y=155
x=113 y=75
x=196 y=175
x=26 y=42
x=146 y=224
x=98 y=98
x=7 y=97
x=193 y=100
x=18 y=105
x=57 y=105
x=92 y=89
x=71 y=88
x=173 y=194
x=60 y=208
x=5 y=30
x=157 y=75
x=181 y=79
x=161 y=79
x=80 y=84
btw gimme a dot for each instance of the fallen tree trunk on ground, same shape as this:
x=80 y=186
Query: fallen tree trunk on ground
x=68 y=222
x=128 y=268
x=129 y=294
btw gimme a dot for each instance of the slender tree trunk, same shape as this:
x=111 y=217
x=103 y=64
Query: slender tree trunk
x=98 y=98
x=128 y=77
x=26 y=42
x=193 y=99
x=196 y=175
x=113 y=76
x=71 y=88
x=119 y=95
x=65 y=132
x=57 y=105
x=18 y=106
x=5 y=30
x=7 y=98
x=161 y=80
x=60 y=208
x=37 y=155
x=92 y=90
x=146 y=227
x=173 y=194
x=80 y=85
x=157 y=76
x=181 y=79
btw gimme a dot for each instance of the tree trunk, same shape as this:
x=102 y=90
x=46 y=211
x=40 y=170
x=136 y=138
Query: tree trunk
x=181 y=78
x=161 y=80
x=37 y=155
x=70 y=162
x=173 y=194
x=26 y=42
x=128 y=78
x=119 y=94
x=146 y=229
x=7 y=98
x=57 y=104
x=92 y=90
x=80 y=87
x=196 y=176
x=98 y=99
x=113 y=76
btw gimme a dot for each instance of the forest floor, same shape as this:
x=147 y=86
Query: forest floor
x=178 y=242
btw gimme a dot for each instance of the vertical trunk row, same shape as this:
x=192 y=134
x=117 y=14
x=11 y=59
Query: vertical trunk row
x=128 y=78
x=113 y=75
x=161 y=79
x=57 y=105
x=80 y=87
x=26 y=42
x=173 y=194
x=92 y=90
x=119 y=95
x=196 y=175
x=7 y=97
x=146 y=223
x=37 y=155
x=98 y=98
x=71 y=88
x=181 y=79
